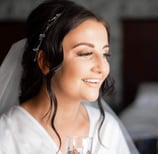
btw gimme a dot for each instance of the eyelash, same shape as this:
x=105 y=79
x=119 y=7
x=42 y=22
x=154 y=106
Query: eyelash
x=86 y=54
x=106 y=54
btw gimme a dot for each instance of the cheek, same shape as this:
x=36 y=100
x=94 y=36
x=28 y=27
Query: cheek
x=70 y=73
x=68 y=80
x=106 y=70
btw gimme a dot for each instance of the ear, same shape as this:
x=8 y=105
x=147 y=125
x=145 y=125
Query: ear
x=42 y=63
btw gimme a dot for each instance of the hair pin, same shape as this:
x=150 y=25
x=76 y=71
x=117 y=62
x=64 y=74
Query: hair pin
x=43 y=34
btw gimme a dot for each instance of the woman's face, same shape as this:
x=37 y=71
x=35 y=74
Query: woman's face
x=85 y=64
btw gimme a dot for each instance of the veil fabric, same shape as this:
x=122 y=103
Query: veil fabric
x=10 y=75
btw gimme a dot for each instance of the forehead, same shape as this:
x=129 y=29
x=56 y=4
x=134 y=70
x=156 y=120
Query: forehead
x=90 y=31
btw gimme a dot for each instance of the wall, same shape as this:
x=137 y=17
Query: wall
x=111 y=10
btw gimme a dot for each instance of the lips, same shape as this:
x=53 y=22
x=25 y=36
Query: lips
x=92 y=82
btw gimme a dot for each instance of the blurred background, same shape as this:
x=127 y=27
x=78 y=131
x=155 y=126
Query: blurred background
x=134 y=61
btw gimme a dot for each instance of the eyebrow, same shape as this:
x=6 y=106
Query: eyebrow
x=88 y=44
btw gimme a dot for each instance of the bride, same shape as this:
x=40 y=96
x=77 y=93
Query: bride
x=65 y=69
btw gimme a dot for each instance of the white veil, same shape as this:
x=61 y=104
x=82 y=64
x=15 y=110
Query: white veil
x=10 y=74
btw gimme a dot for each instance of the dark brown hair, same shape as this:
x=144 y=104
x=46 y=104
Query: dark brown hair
x=71 y=15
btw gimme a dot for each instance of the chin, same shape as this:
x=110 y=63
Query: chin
x=92 y=98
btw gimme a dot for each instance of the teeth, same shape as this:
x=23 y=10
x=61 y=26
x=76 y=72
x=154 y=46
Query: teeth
x=92 y=80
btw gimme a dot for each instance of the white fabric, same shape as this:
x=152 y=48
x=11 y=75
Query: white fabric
x=128 y=138
x=20 y=133
x=10 y=73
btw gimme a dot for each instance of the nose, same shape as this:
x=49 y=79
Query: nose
x=101 y=64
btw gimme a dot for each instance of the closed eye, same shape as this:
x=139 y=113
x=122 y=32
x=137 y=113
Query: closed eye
x=85 y=54
x=106 y=54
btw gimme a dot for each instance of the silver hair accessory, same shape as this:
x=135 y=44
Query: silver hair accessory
x=43 y=34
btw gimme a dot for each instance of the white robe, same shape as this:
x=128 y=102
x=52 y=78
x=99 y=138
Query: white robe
x=20 y=133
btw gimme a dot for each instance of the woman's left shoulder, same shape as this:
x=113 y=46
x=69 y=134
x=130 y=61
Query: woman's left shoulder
x=94 y=111
x=92 y=107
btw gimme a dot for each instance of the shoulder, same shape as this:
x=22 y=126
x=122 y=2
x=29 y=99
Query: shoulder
x=8 y=121
x=9 y=115
x=111 y=133
x=110 y=122
x=94 y=111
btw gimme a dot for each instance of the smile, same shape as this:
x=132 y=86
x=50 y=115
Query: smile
x=92 y=80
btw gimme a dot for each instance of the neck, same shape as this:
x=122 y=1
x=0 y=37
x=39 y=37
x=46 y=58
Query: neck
x=39 y=106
